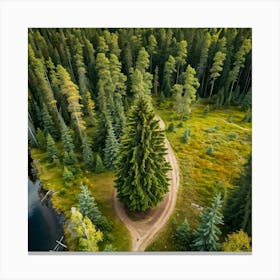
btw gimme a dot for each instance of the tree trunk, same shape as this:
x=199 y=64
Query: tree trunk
x=212 y=86
x=177 y=76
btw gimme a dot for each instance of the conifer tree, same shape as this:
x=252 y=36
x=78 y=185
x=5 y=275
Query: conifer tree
x=168 y=79
x=69 y=155
x=87 y=153
x=51 y=148
x=181 y=56
x=185 y=94
x=155 y=83
x=41 y=138
x=152 y=46
x=238 y=207
x=216 y=68
x=204 y=55
x=67 y=174
x=141 y=170
x=87 y=205
x=99 y=167
x=111 y=149
x=143 y=61
x=81 y=234
x=182 y=236
x=48 y=124
x=207 y=234
x=70 y=90
x=238 y=64
x=90 y=109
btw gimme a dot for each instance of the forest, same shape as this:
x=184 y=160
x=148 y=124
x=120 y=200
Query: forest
x=144 y=136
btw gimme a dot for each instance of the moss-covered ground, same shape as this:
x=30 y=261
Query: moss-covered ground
x=202 y=174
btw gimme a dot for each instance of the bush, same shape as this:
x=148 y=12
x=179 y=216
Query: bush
x=67 y=175
x=182 y=236
x=180 y=124
x=247 y=117
x=232 y=135
x=206 y=110
x=186 y=135
x=229 y=119
x=171 y=127
x=210 y=150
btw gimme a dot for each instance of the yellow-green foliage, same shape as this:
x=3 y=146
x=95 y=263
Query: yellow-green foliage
x=237 y=242
x=202 y=175
x=81 y=234
x=100 y=185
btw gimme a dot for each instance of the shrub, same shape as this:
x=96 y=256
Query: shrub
x=182 y=236
x=232 y=135
x=171 y=128
x=206 y=110
x=180 y=124
x=210 y=150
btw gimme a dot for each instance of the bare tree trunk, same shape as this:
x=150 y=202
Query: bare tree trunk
x=212 y=86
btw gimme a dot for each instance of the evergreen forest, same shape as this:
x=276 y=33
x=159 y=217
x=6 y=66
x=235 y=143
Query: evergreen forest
x=142 y=137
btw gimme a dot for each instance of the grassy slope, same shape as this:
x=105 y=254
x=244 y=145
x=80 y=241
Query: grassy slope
x=100 y=185
x=202 y=175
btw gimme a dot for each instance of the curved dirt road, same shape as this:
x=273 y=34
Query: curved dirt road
x=143 y=231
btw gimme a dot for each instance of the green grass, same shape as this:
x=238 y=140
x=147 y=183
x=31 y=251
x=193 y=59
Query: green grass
x=100 y=185
x=201 y=174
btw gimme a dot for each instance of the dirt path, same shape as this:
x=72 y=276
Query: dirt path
x=143 y=231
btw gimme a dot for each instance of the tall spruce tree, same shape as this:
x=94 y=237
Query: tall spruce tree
x=207 y=234
x=51 y=148
x=216 y=68
x=87 y=205
x=111 y=150
x=238 y=207
x=141 y=170
x=87 y=153
x=70 y=90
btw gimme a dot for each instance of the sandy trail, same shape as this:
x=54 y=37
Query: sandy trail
x=143 y=231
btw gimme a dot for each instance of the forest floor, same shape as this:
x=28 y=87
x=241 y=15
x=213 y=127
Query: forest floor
x=143 y=229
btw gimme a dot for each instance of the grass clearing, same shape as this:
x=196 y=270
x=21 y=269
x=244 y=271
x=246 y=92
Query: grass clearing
x=101 y=187
x=202 y=174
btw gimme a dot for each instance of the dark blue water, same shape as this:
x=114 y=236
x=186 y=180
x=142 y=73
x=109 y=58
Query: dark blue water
x=45 y=226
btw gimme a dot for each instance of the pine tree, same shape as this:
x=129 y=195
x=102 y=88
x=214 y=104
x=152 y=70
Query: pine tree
x=204 y=55
x=168 y=75
x=81 y=234
x=152 y=46
x=99 y=167
x=216 y=68
x=51 y=148
x=185 y=94
x=155 y=83
x=237 y=242
x=207 y=234
x=48 y=124
x=141 y=178
x=111 y=150
x=87 y=153
x=238 y=207
x=87 y=205
x=238 y=64
x=182 y=236
x=69 y=156
x=41 y=138
x=143 y=61
x=70 y=90
x=181 y=56
x=67 y=174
